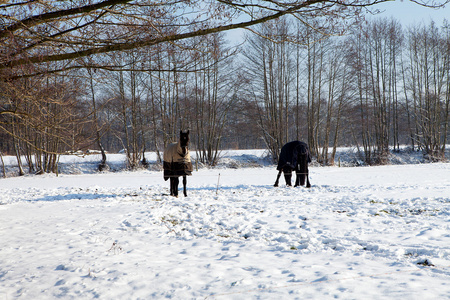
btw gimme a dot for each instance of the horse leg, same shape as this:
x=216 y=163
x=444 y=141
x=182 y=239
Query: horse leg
x=184 y=185
x=302 y=178
x=174 y=186
x=304 y=173
x=176 y=181
x=287 y=177
x=308 y=185
x=171 y=186
x=278 y=178
x=303 y=169
x=297 y=176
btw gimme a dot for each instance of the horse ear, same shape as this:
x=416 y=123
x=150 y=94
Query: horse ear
x=181 y=131
x=187 y=131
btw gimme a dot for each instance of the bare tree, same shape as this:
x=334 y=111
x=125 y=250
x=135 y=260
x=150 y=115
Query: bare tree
x=76 y=29
x=429 y=88
x=316 y=52
x=269 y=63
x=166 y=64
x=210 y=96
x=375 y=56
x=338 y=90
x=102 y=165
x=46 y=117
x=384 y=51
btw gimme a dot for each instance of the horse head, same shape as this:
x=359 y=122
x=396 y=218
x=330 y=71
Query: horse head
x=303 y=153
x=184 y=138
x=184 y=141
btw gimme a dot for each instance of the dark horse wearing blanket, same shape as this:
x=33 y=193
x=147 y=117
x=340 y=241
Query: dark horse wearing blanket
x=294 y=156
x=177 y=162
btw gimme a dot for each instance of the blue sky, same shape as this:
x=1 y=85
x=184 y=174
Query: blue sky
x=409 y=13
x=406 y=12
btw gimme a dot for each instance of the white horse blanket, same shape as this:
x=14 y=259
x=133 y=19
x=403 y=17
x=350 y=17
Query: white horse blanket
x=175 y=163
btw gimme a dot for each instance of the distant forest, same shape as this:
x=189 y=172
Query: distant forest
x=375 y=86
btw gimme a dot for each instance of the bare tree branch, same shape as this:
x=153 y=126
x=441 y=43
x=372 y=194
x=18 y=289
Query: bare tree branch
x=39 y=19
x=76 y=32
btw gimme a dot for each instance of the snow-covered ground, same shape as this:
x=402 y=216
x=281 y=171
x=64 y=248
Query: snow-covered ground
x=359 y=233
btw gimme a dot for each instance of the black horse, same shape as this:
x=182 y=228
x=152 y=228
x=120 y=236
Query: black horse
x=294 y=156
x=177 y=162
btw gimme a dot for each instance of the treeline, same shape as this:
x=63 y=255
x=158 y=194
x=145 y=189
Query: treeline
x=378 y=87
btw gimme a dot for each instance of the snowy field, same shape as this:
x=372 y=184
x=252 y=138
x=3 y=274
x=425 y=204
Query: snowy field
x=358 y=233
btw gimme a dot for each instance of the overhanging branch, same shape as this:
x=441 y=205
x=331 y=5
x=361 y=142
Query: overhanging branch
x=39 y=19
x=151 y=42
